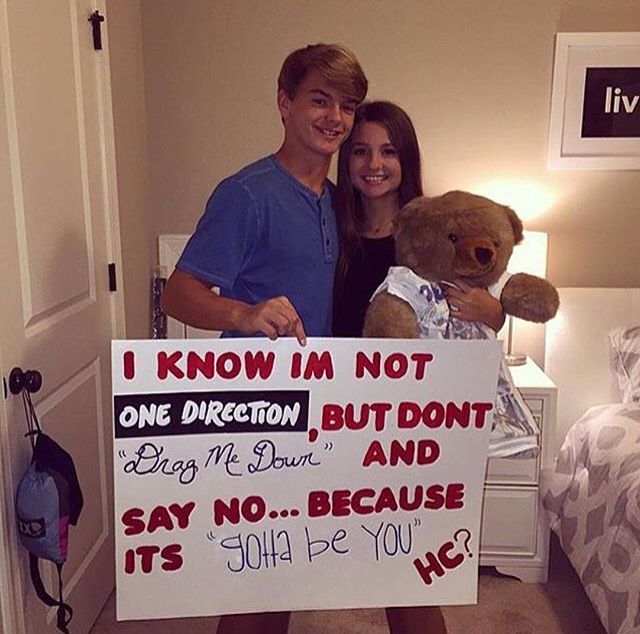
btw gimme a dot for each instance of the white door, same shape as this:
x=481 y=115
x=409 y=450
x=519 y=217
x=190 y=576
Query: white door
x=58 y=232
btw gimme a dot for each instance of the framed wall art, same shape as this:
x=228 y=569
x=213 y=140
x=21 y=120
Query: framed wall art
x=595 y=103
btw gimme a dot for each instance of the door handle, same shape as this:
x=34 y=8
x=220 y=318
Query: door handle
x=30 y=380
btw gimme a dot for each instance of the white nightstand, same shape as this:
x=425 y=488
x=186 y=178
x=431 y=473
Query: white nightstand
x=515 y=534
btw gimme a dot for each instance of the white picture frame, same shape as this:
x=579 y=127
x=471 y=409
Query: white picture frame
x=574 y=54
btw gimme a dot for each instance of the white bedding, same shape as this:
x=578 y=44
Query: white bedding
x=593 y=498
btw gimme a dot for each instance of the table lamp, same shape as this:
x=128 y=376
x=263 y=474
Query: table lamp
x=530 y=256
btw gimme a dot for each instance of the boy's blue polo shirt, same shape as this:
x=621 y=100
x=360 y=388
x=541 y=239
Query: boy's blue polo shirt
x=264 y=234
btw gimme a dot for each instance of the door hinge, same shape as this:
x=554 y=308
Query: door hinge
x=112 y=277
x=96 y=20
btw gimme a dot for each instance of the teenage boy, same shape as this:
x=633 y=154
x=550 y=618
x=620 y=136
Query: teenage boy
x=268 y=236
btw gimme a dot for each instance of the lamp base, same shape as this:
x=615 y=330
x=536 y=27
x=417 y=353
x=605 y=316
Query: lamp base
x=514 y=358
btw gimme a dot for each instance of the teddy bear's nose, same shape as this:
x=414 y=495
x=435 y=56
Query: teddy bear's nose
x=483 y=255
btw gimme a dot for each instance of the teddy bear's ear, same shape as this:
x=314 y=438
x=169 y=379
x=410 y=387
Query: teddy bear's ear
x=409 y=209
x=406 y=226
x=516 y=224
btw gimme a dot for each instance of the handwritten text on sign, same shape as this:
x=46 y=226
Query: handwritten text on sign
x=253 y=475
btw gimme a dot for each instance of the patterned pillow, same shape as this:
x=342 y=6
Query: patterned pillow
x=625 y=356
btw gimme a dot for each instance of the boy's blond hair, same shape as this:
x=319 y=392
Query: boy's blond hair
x=337 y=64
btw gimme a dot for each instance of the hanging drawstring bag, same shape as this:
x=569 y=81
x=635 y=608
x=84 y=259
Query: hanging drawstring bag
x=48 y=499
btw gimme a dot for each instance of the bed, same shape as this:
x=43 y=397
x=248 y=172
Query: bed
x=592 y=495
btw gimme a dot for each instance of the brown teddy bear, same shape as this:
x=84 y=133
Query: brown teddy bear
x=461 y=235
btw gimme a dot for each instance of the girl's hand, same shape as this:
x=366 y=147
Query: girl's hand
x=470 y=303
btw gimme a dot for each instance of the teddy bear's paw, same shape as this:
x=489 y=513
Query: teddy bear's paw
x=529 y=297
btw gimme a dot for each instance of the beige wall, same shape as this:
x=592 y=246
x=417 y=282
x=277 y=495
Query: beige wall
x=127 y=85
x=194 y=99
x=474 y=74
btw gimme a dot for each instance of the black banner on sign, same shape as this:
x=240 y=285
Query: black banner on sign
x=611 y=103
x=232 y=412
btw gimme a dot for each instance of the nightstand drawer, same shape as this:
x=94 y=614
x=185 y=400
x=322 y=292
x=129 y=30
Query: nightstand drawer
x=509 y=521
x=512 y=471
x=518 y=471
x=536 y=405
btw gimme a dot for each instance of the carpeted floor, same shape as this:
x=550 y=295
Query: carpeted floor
x=505 y=605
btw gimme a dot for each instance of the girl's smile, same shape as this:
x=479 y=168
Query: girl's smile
x=374 y=165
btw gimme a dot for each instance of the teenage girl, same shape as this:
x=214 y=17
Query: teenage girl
x=378 y=172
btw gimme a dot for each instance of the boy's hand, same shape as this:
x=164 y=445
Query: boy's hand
x=274 y=317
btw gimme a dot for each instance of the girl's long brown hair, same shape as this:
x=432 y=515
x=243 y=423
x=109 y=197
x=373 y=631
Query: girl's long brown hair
x=349 y=210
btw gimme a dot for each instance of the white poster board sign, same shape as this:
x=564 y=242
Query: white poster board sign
x=254 y=476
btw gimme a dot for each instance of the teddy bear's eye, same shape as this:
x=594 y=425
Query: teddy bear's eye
x=496 y=244
x=453 y=237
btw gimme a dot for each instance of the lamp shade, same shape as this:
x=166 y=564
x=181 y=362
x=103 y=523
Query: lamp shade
x=530 y=256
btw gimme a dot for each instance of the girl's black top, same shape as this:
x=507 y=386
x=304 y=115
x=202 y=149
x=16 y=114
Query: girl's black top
x=367 y=272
